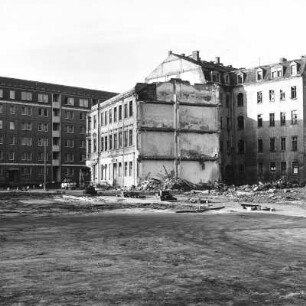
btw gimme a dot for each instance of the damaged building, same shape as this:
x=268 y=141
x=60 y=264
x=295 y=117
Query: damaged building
x=204 y=121
x=156 y=130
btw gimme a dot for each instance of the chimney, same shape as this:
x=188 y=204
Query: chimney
x=169 y=52
x=217 y=60
x=196 y=55
x=282 y=60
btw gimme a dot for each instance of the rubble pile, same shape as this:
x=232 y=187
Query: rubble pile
x=170 y=183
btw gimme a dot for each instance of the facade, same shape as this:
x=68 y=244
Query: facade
x=43 y=131
x=156 y=130
x=260 y=130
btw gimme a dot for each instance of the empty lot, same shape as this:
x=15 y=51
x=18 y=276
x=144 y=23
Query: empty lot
x=154 y=258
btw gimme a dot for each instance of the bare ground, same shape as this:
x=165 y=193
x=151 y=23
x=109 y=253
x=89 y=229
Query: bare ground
x=59 y=250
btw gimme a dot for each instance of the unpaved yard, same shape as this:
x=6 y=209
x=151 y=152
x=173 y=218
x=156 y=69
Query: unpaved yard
x=151 y=258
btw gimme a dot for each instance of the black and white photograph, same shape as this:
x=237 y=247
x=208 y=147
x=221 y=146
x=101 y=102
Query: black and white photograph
x=152 y=153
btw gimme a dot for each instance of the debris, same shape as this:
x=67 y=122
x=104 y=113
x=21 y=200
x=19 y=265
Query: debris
x=165 y=195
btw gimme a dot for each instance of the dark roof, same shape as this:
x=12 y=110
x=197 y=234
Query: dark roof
x=56 y=88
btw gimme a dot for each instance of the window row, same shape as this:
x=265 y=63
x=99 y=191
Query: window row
x=281 y=167
x=282 y=144
x=124 y=170
x=272 y=95
x=282 y=119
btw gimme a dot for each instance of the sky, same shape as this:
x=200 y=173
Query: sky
x=111 y=45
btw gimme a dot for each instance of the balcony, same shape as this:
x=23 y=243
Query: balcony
x=56 y=134
x=56 y=119
x=56 y=104
x=55 y=148
x=55 y=162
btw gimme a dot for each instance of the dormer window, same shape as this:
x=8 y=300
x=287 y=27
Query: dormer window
x=240 y=78
x=215 y=76
x=259 y=74
x=277 y=72
x=293 y=68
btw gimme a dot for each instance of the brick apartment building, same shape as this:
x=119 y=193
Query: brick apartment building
x=261 y=126
x=43 y=127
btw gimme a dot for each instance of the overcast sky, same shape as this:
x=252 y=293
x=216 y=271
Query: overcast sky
x=111 y=45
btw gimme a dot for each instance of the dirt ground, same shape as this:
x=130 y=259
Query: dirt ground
x=65 y=250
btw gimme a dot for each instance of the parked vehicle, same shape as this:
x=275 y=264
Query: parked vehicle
x=68 y=183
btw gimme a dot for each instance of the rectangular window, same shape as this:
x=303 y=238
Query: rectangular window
x=293 y=92
x=69 y=143
x=1 y=108
x=12 y=109
x=12 y=140
x=83 y=102
x=26 y=96
x=42 y=142
x=102 y=143
x=12 y=125
x=69 y=101
x=82 y=116
x=130 y=168
x=102 y=118
x=1 y=93
x=260 y=146
x=110 y=142
x=82 y=129
x=12 y=94
x=294 y=117
x=283 y=168
x=130 y=137
x=119 y=169
x=272 y=120
x=125 y=138
x=282 y=95
x=272 y=144
x=26 y=126
x=283 y=143
x=26 y=110
x=26 y=141
x=110 y=116
x=259 y=96
x=105 y=117
x=43 y=98
x=1 y=139
x=272 y=167
x=11 y=155
x=68 y=114
x=26 y=156
x=69 y=129
x=271 y=96
x=82 y=144
x=131 y=108
x=115 y=141
x=120 y=140
x=125 y=111
x=282 y=118
x=125 y=169
x=295 y=167
x=294 y=143
x=69 y=157
x=241 y=146
x=1 y=155
x=1 y=124
x=105 y=143
x=115 y=114
x=120 y=112
x=43 y=112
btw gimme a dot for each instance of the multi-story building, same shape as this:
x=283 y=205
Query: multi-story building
x=156 y=130
x=261 y=128
x=43 y=131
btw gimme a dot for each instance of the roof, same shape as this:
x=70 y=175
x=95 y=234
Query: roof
x=56 y=88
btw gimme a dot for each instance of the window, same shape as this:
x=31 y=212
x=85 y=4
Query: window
x=115 y=140
x=26 y=96
x=260 y=145
x=1 y=108
x=1 y=93
x=282 y=95
x=1 y=155
x=69 y=143
x=240 y=122
x=241 y=146
x=130 y=137
x=125 y=139
x=125 y=111
x=272 y=144
x=42 y=142
x=295 y=167
x=43 y=112
x=227 y=101
x=282 y=118
x=55 y=98
x=271 y=96
x=283 y=168
x=105 y=143
x=43 y=98
x=26 y=126
x=294 y=143
x=120 y=112
x=1 y=124
x=83 y=157
x=131 y=108
x=120 y=139
x=110 y=142
x=294 y=117
x=272 y=121
x=26 y=110
x=259 y=75
x=83 y=102
x=110 y=116
x=69 y=129
x=293 y=92
x=68 y=114
x=293 y=69
x=69 y=157
x=125 y=168
x=82 y=116
x=26 y=156
x=12 y=109
x=130 y=168
x=26 y=141
x=11 y=155
x=82 y=144
x=69 y=101
x=12 y=140
x=240 y=78
x=105 y=117
x=12 y=125
x=272 y=167
x=12 y=94
x=283 y=143
x=119 y=169
x=94 y=121
x=94 y=144
x=115 y=114
x=102 y=118
x=227 y=79
x=240 y=99
x=69 y=172
x=26 y=171
x=102 y=143
x=82 y=129
x=259 y=96
x=215 y=76
x=277 y=72
x=1 y=139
